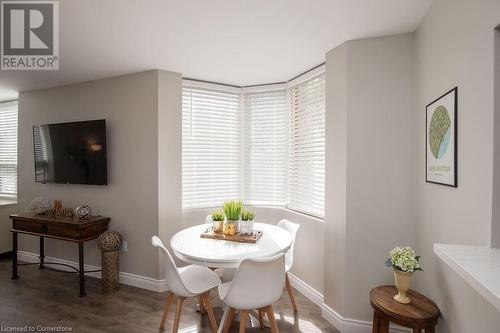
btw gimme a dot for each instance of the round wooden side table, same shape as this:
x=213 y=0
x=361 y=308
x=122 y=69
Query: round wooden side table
x=420 y=314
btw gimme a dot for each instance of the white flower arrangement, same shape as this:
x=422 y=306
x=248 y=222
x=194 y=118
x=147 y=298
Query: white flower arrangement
x=404 y=259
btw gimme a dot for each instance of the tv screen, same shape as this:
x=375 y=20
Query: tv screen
x=71 y=153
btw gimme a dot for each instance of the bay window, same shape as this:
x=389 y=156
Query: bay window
x=265 y=145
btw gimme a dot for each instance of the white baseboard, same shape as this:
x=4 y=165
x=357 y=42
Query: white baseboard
x=332 y=317
x=312 y=294
x=349 y=325
x=344 y=325
x=125 y=278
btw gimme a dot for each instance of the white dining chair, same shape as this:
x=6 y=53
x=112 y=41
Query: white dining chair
x=257 y=284
x=292 y=228
x=184 y=282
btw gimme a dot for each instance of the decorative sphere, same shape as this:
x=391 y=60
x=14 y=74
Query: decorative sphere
x=83 y=211
x=109 y=241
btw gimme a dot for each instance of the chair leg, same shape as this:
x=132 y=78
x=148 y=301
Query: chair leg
x=229 y=320
x=243 y=320
x=272 y=320
x=169 y=300
x=290 y=293
x=202 y=307
x=208 y=307
x=178 y=310
x=261 y=319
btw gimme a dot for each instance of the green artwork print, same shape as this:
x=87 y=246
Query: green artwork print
x=439 y=132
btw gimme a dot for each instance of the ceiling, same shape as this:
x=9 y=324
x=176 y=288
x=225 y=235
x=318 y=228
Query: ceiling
x=241 y=42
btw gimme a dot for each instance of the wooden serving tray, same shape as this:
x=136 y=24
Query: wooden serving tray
x=253 y=238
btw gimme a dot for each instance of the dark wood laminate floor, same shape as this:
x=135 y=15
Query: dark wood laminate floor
x=44 y=298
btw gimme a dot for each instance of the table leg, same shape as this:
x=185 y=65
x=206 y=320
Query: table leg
x=383 y=325
x=14 y=256
x=81 y=269
x=42 y=253
x=376 y=320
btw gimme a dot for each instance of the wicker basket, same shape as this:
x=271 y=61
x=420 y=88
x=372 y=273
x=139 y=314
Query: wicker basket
x=109 y=243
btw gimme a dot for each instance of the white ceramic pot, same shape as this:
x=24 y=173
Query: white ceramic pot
x=402 y=280
x=246 y=227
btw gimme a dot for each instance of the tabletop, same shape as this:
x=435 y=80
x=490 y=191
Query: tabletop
x=421 y=309
x=190 y=247
x=73 y=220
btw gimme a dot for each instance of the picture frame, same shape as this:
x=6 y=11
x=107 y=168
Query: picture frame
x=441 y=139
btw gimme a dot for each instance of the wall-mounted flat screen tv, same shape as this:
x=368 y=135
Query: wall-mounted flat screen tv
x=71 y=153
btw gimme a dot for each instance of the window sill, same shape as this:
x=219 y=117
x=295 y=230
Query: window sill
x=254 y=206
x=7 y=201
x=309 y=216
x=479 y=266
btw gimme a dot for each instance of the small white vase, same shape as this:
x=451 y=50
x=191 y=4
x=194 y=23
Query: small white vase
x=402 y=280
x=246 y=227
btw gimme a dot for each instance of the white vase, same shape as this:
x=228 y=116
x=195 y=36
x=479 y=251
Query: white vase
x=402 y=280
x=246 y=227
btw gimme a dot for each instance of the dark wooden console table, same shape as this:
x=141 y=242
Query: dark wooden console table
x=71 y=229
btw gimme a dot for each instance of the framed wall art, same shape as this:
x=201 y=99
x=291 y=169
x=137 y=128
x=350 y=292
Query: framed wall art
x=441 y=140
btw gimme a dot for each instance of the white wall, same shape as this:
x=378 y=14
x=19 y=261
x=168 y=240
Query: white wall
x=495 y=218
x=5 y=225
x=454 y=46
x=336 y=178
x=130 y=105
x=370 y=107
x=169 y=157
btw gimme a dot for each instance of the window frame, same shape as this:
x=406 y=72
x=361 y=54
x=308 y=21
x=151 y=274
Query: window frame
x=6 y=197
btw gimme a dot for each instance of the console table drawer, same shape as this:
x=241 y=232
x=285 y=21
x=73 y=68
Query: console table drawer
x=70 y=229
x=66 y=231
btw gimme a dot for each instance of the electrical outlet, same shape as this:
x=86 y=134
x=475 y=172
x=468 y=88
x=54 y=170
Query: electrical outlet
x=124 y=246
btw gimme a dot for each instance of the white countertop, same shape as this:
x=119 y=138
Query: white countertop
x=478 y=265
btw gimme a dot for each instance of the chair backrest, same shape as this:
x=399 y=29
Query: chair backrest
x=291 y=228
x=172 y=276
x=257 y=283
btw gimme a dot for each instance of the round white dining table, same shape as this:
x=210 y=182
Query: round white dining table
x=190 y=247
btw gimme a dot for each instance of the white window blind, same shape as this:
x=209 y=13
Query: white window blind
x=8 y=148
x=266 y=140
x=210 y=147
x=306 y=165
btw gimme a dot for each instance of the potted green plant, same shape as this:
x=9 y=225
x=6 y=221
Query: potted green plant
x=403 y=262
x=232 y=209
x=218 y=220
x=246 y=224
